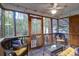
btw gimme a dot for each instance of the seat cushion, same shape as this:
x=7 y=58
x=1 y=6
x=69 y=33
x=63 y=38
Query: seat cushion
x=20 y=51
x=68 y=52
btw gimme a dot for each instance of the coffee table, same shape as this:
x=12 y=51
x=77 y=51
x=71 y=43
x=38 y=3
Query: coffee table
x=53 y=49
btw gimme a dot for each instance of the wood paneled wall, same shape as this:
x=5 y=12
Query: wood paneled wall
x=74 y=30
x=1 y=51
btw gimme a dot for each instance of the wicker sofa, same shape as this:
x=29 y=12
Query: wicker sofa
x=68 y=52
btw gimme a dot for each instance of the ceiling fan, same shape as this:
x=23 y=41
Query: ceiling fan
x=55 y=6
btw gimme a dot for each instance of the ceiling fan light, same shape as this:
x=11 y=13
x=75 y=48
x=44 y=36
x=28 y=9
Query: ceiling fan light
x=53 y=11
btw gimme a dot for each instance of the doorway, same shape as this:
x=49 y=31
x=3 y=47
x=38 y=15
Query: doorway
x=36 y=32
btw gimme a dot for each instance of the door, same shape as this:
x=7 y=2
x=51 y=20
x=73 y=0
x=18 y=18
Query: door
x=36 y=32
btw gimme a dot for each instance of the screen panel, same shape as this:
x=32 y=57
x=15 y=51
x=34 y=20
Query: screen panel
x=54 y=25
x=21 y=24
x=64 y=25
x=9 y=24
x=36 y=26
x=47 y=25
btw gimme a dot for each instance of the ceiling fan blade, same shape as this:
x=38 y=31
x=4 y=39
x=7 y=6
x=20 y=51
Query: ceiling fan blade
x=56 y=8
x=59 y=7
x=52 y=5
x=55 y=5
x=51 y=8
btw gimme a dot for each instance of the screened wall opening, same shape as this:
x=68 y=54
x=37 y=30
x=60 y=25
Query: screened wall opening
x=21 y=24
x=47 y=30
x=61 y=29
x=8 y=23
